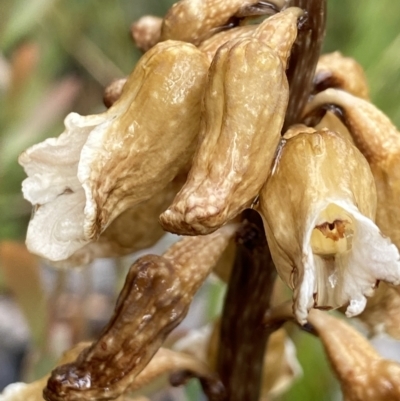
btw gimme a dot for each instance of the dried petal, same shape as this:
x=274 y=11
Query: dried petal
x=196 y=20
x=363 y=374
x=146 y=32
x=336 y=71
x=281 y=367
x=105 y=164
x=244 y=107
x=379 y=141
x=323 y=240
x=155 y=298
x=164 y=361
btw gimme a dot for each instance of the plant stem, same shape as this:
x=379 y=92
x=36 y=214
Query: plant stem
x=304 y=56
x=243 y=338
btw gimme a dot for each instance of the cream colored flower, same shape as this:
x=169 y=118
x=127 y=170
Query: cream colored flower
x=318 y=207
x=104 y=164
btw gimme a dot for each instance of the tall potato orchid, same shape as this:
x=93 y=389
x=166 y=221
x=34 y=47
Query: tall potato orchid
x=234 y=132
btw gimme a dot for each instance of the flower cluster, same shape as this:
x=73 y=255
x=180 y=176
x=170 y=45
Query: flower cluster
x=192 y=138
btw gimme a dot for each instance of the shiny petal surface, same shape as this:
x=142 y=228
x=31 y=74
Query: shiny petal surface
x=244 y=107
x=105 y=164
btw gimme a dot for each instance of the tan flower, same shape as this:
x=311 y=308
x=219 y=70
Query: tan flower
x=105 y=164
x=363 y=374
x=336 y=71
x=244 y=106
x=318 y=207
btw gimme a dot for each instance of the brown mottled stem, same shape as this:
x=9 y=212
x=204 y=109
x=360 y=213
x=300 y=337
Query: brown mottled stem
x=304 y=56
x=243 y=337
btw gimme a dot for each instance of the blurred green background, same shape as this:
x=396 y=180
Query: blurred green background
x=57 y=56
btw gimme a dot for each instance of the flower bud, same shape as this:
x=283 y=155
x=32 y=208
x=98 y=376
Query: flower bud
x=278 y=31
x=318 y=207
x=363 y=374
x=336 y=71
x=146 y=32
x=196 y=20
x=244 y=108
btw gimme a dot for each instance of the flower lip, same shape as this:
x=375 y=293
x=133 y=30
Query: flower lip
x=345 y=263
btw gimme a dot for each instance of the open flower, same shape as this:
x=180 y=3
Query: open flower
x=379 y=141
x=102 y=165
x=318 y=207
